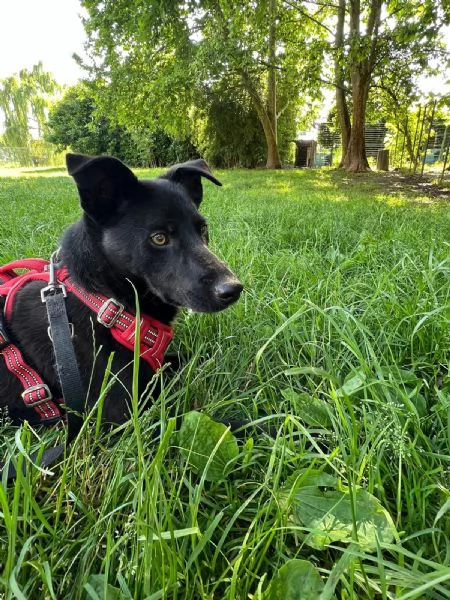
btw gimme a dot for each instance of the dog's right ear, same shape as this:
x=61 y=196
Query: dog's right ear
x=103 y=183
x=189 y=174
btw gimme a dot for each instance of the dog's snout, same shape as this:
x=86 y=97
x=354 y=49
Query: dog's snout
x=228 y=291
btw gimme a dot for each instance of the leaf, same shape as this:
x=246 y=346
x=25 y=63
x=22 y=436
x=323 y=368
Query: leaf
x=313 y=371
x=171 y=535
x=296 y=580
x=310 y=409
x=419 y=402
x=442 y=511
x=207 y=446
x=399 y=375
x=312 y=477
x=352 y=383
x=327 y=514
x=96 y=589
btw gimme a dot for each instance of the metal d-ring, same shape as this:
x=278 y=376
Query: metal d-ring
x=72 y=332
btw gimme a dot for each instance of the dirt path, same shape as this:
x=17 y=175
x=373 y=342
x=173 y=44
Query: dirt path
x=397 y=182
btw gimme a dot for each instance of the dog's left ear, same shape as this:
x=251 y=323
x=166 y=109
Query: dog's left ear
x=103 y=182
x=189 y=174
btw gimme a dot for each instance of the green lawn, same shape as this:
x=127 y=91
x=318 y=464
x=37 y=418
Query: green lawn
x=341 y=341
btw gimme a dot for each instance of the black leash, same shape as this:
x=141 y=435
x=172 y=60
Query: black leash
x=61 y=332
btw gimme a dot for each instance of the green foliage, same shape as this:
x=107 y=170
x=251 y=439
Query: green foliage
x=98 y=588
x=296 y=580
x=165 y=150
x=229 y=133
x=331 y=514
x=75 y=123
x=328 y=135
x=315 y=412
x=208 y=446
x=158 y=66
x=24 y=101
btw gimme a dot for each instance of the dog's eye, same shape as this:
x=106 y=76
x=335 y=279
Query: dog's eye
x=204 y=233
x=160 y=239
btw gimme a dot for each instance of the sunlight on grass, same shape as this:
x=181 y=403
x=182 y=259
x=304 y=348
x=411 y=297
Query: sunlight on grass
x=33 y=172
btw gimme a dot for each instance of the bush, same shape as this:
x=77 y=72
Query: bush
x=74 y=123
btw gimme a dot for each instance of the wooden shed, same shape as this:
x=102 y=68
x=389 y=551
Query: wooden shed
x=305 y=153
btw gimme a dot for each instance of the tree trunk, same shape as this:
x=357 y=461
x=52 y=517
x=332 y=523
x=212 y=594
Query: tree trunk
x=362 y=58
x=355 y=159
x=344 y=122
x=267 y=108
x=341 y=99
x=408 y=140
x=273 y=157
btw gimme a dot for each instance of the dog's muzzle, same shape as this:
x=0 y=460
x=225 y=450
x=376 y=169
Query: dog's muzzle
x=228 y=291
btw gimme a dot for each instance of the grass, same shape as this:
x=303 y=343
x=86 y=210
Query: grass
x=341 y=341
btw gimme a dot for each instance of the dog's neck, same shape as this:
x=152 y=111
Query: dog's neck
x=82 y=254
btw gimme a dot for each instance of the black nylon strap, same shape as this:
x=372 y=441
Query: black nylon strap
x=66 y=364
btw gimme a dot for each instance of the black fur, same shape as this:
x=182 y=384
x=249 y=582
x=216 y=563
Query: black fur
x=107 y=248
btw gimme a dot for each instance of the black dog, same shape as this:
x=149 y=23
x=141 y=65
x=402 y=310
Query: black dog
x=146 y=233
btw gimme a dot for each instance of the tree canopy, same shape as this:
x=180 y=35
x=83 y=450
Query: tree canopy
x=236 y=80
x=75 y=123
x=24 y=101
x=381 y=45
x=156 y=61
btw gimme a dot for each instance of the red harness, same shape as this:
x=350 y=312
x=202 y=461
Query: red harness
x=154 y=336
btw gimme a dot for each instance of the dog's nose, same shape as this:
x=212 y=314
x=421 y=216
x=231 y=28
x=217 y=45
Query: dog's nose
x=228 y=291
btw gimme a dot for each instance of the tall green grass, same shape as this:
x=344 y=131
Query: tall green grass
x=340 y=343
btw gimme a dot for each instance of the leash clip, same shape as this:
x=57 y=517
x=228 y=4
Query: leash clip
x=53 y=287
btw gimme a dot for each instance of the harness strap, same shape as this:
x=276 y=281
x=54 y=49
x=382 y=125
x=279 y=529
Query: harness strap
x=7 y=271
x=36 y=394
x=66 y=362
x=13 y=286
x=154 y=335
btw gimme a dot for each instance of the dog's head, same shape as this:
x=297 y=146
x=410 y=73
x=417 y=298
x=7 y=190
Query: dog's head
x=152 y=230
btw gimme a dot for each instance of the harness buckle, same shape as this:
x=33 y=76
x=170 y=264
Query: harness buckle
x=52 y=289
x=110 y=305
x=34 y=388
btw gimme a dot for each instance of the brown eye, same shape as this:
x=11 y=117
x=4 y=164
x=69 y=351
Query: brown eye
x=160 y=239
x=204 y=233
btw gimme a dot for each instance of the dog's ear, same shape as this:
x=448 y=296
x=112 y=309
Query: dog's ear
x=189 y=174
x=102 y=181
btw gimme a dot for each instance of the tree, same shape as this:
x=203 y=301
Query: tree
x=155 y=62
x=383 y=37
x=74 y=122
x=24 y=101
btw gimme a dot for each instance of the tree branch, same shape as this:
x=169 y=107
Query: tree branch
x=307 y=15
